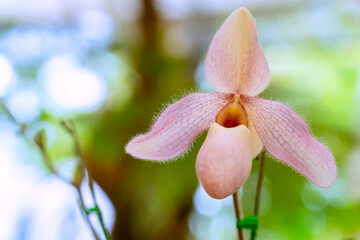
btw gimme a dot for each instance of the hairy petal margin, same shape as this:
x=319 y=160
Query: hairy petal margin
x=178 y=126
x=286 y=136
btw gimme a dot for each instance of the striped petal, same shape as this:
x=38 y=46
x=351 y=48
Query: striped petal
x=235 y=61
x=286 y=137
x=178 y=126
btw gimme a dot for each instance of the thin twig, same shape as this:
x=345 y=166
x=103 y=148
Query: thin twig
x=258 y=189
x=9 y=113
x=81 y=202
x=86 y=216
x=40 y=144
x=237 y=206
x=82 y=160
x=47 y=159
x=23 y=127
x=70 y=126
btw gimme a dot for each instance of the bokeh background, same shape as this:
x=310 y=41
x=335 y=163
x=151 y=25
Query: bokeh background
x=110 y=65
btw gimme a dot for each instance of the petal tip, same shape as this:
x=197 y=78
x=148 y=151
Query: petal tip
x=137 y=149
x=330 y=180
x=218 y=194
x=242 y=16
x=243 y=11
x=131 y=148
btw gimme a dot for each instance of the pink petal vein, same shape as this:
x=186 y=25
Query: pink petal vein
x=178 y=126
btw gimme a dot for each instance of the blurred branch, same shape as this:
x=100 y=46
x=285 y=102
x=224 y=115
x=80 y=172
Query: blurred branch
x=86 y=214
x=70 y=127
x=149 y=25
x=40 y=142
x=23 y=127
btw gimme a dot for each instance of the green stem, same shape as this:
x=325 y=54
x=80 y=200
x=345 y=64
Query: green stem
x=86 y=215
x=237 y=206
x=259 y=183
x=258 y=189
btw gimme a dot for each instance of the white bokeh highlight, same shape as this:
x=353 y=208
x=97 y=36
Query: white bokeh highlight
x=212 y=218
x=6 y=75
x=72 y=88
x=24 y=105
x=95 y=24
x=206 y=205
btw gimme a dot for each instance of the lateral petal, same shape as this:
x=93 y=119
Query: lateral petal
x=224 y=161
x=286 y=136
x=178 y=126
x=235 y=61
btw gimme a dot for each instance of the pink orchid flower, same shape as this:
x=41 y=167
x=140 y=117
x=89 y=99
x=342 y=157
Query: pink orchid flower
x=239 y=124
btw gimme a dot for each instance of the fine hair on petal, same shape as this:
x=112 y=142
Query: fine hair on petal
x=307 y=120
x=158 y=113
x=174 y=98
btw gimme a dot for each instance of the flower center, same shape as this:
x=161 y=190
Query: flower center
x=232 y=115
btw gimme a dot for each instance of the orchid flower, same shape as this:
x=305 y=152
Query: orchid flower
x=239 y=124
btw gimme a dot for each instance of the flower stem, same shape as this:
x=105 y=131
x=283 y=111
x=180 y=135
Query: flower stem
x=258 y=188
x=259 y=183
x=237 y=206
